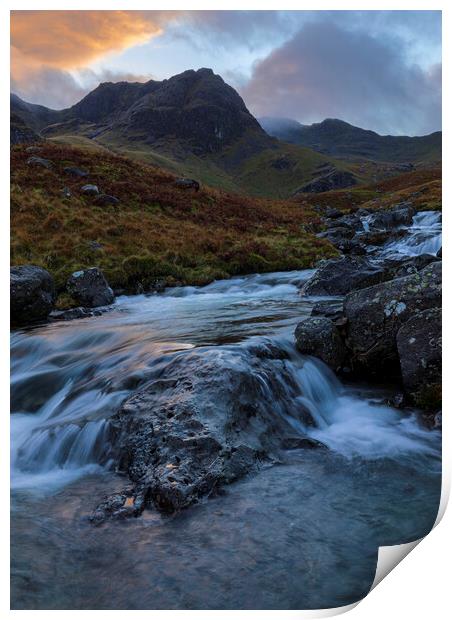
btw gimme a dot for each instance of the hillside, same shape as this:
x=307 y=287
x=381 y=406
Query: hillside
x=340 y=139
x=193 y=124
x=155 y=231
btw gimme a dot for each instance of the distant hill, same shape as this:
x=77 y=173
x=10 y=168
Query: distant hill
x=193 y=124
x=340 y=139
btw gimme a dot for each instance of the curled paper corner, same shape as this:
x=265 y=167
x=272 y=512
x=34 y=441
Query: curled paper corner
x=389 y=557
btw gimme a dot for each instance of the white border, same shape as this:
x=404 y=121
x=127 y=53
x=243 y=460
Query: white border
x=422 y=586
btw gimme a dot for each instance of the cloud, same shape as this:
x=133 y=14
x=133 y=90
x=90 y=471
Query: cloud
x=57 y=89
x=51 y=50
x=70 y=39
x=326 y=70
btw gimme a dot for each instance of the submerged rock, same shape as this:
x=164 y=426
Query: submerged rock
x=32 y=294
x=375 y=315
x=420 y=353
x=208 y=420
x=340 y=276
x=90 y=288
x=319 y=336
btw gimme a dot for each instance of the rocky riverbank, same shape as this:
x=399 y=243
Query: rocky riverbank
x=388 y=326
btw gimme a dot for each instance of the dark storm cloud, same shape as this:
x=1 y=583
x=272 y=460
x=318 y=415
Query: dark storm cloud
x=327 y=70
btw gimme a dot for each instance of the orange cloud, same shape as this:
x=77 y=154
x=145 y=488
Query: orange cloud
x=72 y=39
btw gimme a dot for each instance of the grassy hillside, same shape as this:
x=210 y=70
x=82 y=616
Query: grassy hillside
x=423 y=188
x=157 y=231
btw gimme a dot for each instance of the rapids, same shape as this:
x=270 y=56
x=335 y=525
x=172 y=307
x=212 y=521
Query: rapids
x=277 y=539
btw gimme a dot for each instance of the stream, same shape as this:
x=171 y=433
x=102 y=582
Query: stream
x=302 y=533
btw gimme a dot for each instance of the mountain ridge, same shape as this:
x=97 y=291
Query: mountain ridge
x=338 y=138
x=192 y=124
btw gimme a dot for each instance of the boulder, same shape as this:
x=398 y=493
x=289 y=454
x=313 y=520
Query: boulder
x=351 y=246
x=420 y=354
x=90 y=288
x=32 y=294
x=336 y=234
x=90 y=190
x=333 y=309
x=203 y=420
x=342 y=275
x=39 y=161
x=400 y=215
x=407 y=265
x=187 y=184
x=375 y=314
x=103 y=200
x=75 y=172
x=319 y=336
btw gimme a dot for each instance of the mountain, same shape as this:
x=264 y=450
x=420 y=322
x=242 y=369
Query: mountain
x=340 y=139
x=193 y=124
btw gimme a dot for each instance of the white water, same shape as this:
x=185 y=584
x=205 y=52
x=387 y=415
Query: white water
x=69 y=378
x=424 y=237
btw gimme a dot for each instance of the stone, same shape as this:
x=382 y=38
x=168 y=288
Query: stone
x=340 y=276
x=32 y=294
x=187 y=184
x=375 y=314
x=212 y=417
x=318 y=336
x=103 y=200
x=90 y=288
x=39 y=161
x=420 y=354
x=90 y=190
x=75 y=172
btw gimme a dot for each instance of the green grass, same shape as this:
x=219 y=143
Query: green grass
x=156 y=232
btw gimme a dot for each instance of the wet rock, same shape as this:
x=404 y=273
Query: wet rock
x=104 y=200
x=336 y=234
x=439 y=253
x=333 y=213
x=318 y=336
x=71 y=314
x=75 y=172
x=340 y=276
x=420 y=354
x=187 y=184
x=400 y=215
x=405 y=266
x=39 y=161
x=332 y=309
x=90 y=190
x=380 y=237
x=90 y=288
x=208 y=420
x=304 y=443
x=351 y=246
x=32 y=294
x=375 y=314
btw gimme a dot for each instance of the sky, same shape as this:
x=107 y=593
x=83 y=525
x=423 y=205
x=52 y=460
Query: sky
x=380 y=70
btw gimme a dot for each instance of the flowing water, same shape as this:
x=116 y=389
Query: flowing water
x=300 y=534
